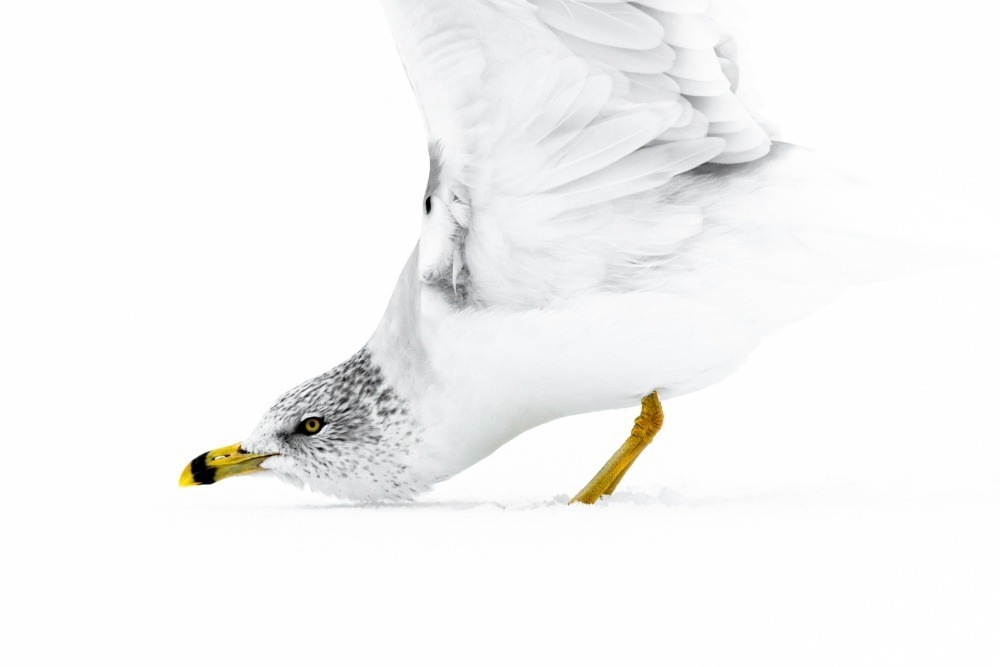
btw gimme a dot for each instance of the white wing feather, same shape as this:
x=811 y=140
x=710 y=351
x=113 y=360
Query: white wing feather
x=556 y=125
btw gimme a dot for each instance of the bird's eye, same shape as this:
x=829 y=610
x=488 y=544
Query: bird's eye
x=310 y=426
x=427 y=206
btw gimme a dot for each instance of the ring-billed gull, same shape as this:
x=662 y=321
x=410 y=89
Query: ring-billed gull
x=605 y=224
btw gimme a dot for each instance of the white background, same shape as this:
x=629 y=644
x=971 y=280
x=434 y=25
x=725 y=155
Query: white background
x=205 y=202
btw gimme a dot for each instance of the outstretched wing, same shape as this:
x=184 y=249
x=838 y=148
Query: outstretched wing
x=555 y=127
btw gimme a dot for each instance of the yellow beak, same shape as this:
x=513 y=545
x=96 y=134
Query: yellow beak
x=218 y=464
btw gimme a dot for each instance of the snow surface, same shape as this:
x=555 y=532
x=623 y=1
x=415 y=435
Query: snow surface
x=172 y=176
x=840 y=509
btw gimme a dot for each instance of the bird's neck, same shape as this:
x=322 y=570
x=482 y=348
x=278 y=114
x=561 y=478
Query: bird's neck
x=422 y=349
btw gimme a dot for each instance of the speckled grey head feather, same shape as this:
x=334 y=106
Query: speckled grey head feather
x=363 y=450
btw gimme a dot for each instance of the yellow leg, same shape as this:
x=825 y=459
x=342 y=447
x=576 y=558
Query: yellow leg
x=606 y=481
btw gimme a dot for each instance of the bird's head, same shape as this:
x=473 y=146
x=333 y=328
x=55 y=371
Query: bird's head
x=345 y=433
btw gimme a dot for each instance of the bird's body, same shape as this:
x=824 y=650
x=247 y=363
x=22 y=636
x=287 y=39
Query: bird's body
x=477 y=377
x=603 y=220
